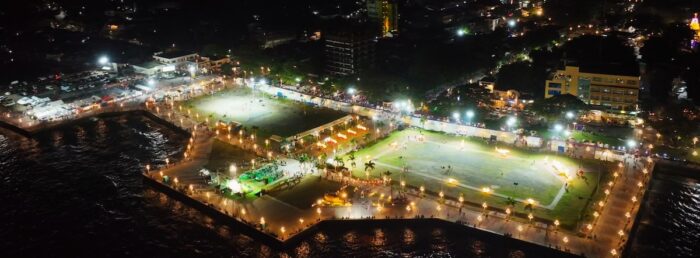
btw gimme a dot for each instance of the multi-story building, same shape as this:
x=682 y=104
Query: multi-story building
x=348 y=50
x=212 y=63
x=271 y=39
x=165 y=62
x=595 y=88
x=175 y=57
x=385 y=13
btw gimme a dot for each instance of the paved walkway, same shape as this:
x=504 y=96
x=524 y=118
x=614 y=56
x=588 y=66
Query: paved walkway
x=606 y=237
x=283 y=219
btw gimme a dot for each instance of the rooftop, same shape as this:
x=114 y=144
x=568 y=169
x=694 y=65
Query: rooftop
x=612 y=69
x=608 y=68
x=174 y=54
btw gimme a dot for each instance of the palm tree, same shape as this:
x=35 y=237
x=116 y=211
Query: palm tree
x=339 y=162
x=351 y=158
x=255 y=130
x=285 y=145
x=511 y=202
x=369 y=165
x=303 y=161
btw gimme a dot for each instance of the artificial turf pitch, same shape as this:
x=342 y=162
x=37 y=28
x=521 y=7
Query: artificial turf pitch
x=270 y=114
x=458 y=165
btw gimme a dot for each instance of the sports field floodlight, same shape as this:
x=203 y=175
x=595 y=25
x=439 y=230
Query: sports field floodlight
x=455 y=115
x=631 y=143
x=351 y=91
x=570 y=115
x=511 y=121
x=470 y=114
x=103 y=60
x=461 y=32
x=511 y=23
x=558 y=127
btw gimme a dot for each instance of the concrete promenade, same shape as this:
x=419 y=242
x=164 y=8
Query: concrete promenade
x=604 y=236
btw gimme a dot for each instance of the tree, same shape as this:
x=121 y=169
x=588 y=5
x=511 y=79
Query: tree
x=303 y=161
x=338 y=162
x=351 y=158
x=608 y=53
x=369 y=165
x=692 y=76
x=552 y=108
x=660 y=79
x=470 y=96
x=511 y=202
x=227 y=69
x=665 y=60
x=521 y=76
x=674 y=123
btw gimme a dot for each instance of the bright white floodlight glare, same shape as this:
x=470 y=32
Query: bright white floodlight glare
x=351 y=91
x=103 y=60
x=263 y=81
x=569 y=115
x=511 y=121
x=151 y=82
x=470 y=113
x=558 y=127
x=192 y=69
x=511 y=23
x=631 y=143
x=461 y=32
x=298 y=79
x=455 y=115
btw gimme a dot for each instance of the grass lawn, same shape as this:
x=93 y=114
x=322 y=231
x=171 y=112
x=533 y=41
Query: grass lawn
x=585 y=136
x=474 y=165
x=306 y=192
x=271 y=115
x=223 y=154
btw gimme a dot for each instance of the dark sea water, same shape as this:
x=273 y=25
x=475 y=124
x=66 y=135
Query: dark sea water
x=76 y=191
x=670 y=223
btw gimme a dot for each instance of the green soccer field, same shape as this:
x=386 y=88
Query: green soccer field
x=457 y=165
x=271 y=115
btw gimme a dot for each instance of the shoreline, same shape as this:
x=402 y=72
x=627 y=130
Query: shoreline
x=579 y=243
x=326 y=224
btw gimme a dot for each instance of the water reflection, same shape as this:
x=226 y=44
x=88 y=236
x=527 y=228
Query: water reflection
x=408 y=237
x=670 y=223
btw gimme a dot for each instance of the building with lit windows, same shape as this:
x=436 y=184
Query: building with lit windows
x=385 y=13
x=595 y=88
x=695 y=27
x=348 y=50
